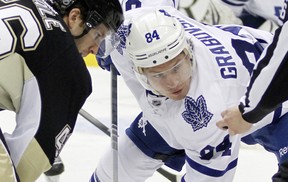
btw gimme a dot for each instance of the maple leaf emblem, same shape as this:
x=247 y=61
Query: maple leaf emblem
x=123 y=31
x=196 y=113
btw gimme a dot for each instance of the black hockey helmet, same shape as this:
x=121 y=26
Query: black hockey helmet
x=108 y=12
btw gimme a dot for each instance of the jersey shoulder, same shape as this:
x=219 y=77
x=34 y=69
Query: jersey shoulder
x=33 y=29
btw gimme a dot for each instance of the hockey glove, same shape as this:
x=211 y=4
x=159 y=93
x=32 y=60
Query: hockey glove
x=282 y=174
x=105 y=63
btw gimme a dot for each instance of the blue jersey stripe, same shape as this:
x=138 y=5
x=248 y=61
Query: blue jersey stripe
x=234 y=4
x=209 y=171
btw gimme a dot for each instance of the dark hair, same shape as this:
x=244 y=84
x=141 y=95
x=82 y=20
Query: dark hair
x=80 y=5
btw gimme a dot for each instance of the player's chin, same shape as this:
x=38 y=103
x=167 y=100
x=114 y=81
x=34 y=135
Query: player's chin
x=84 y=54
x=180 y=94
x=177 y=95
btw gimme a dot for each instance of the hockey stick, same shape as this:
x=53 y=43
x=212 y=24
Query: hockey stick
x=114 y=124
x=95 y=122
x=172 y=177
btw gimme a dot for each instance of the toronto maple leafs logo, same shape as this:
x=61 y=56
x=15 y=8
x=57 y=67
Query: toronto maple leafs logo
x=196 y=113
x=123 y=31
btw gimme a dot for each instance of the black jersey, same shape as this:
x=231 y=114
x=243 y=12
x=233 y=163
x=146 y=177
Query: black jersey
x=43 y=79
x=268 y=87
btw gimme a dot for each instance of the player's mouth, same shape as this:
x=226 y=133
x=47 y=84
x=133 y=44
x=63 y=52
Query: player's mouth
x=178 y=91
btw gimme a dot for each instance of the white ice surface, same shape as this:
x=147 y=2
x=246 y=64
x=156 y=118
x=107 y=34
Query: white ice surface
x=87 y=144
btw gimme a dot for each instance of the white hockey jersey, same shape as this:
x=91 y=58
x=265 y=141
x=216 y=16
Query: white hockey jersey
x=223 y=60
x=268 y=9
x=133 y=4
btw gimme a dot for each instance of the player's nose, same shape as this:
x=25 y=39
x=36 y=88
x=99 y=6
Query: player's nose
x=172 y=81
x=94 y=49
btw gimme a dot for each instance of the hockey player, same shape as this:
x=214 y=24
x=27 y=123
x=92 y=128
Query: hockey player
x=261 y=99
x=43 y=77
x=267 y=91
x=181 y=81
x=254 y=13
x=212 y=12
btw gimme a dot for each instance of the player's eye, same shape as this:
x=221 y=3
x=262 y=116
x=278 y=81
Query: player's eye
x=159 y=75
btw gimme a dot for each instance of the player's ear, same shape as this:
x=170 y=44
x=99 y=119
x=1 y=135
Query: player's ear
x=74 y=22
x=74 y=19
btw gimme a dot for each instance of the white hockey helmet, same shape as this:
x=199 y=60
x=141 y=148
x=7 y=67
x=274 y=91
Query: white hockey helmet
x=155 y=38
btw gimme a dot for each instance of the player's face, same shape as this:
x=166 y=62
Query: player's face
x=90 y=42
x=171 y=79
